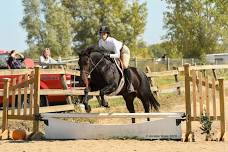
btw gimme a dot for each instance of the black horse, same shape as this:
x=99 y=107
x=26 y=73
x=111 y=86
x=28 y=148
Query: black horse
x=105 y=76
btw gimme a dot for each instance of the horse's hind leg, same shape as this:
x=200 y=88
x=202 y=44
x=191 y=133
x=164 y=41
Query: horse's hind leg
x=146 y=104
x=129 y=100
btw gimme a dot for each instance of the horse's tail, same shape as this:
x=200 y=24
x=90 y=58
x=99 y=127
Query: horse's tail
x=152 y=99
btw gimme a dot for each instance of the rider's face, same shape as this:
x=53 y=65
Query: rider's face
x=104 y=35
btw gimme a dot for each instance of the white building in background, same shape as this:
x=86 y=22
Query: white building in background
x=220 y=58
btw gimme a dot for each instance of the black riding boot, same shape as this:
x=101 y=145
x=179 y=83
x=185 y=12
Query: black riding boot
x=128 y=80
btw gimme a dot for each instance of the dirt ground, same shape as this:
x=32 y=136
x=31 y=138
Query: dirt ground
x=169 y=104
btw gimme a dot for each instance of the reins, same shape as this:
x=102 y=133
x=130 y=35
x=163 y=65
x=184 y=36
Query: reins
x=95 y=65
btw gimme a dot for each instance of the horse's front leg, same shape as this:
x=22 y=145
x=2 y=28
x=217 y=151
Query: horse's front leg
x=85 y=100
x=107 y=90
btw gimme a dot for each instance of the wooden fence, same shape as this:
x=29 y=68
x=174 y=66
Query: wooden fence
x=29 y=90
x=26 y=87
x=200 y=98
x=154 y=84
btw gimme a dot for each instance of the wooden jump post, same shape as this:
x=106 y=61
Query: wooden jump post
x=201 y=98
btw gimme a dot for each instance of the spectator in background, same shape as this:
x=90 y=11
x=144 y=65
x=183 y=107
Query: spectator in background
x=45 y=58
x=15 y=60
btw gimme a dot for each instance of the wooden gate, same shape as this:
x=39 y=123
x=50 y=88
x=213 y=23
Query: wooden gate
x=20 y=101
x=200 y=98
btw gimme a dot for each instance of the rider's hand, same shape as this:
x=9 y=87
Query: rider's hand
x=106 y=55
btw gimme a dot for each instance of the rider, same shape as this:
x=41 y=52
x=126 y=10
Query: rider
x=122 y=52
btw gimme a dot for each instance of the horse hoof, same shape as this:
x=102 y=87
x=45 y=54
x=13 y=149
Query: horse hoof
x=106 y=105
x=88 y=109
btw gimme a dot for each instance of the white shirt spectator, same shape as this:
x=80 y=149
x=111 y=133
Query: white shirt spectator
x=44 y=61
x=111 y=44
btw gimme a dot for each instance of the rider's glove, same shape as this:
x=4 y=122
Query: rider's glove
x=106 y=54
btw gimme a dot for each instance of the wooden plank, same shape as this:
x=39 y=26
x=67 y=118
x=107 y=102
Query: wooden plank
x=207 y=96
x=222 y=108
x=210 y=67
x=205 y=67
x=200 y=93
x=153 y=86
x=11 y=72
x=13 y=97
x=19 y=96
x=212 y=118
x=21 y=117
x=31 y=99
x=163 y=73
x=4 y=134
x=5 y=105
x=214 y=98
x=25 y=94
x=10 y=93
x=7 y=72
x=66 y=92
x=58 y=108
x=72 y=91
x=52 y=71
x=187 y=100
x=36 y=99
x=194 y=93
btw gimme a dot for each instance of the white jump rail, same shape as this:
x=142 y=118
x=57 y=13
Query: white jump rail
x=161 y=126
x=112 y=115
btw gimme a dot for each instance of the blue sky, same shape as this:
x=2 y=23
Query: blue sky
x=13 y=36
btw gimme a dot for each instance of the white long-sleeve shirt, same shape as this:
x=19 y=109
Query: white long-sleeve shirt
x=111 y=44
x=44 y=61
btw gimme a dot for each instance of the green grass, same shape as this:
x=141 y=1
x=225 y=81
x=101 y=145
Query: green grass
x=167 y=80
x=114 y=102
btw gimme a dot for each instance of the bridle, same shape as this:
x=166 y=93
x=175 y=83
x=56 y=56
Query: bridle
x=94 y=66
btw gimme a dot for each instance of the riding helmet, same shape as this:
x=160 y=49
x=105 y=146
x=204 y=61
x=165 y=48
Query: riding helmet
x=104 y=29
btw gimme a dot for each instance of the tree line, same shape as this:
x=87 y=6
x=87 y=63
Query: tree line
x=194 y=27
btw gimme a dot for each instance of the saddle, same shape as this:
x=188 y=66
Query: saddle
x=119 y=66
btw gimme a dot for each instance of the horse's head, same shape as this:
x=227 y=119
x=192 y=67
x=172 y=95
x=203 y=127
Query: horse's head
x=84 y=65
x=89 y=59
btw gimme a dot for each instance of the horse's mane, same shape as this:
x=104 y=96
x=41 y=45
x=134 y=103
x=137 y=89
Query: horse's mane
x=94 y=48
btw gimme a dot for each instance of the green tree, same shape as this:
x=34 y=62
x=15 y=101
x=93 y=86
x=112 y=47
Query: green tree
x=48 y=25
x=195 y=27
x=126 y=20
x=166 y=47
x=33 y=25
x=58 y=28
x=63 y=24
